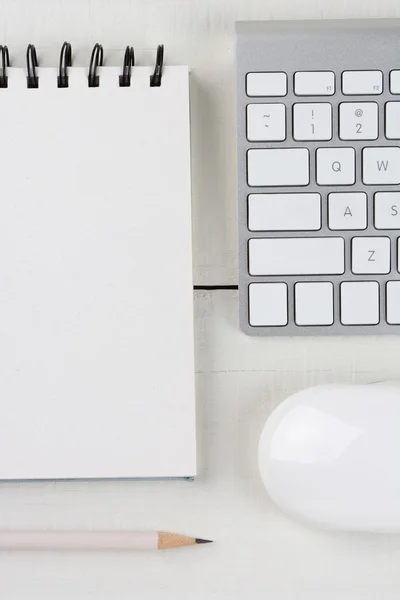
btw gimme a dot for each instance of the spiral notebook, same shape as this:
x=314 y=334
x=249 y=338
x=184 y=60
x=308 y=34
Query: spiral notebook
x=96 y=294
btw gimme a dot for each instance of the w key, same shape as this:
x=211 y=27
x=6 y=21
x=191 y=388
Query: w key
x=381 y=166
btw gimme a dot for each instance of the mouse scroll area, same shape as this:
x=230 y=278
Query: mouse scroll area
x=328 y=455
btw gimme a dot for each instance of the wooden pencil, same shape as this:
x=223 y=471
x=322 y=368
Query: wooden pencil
x=95 y=540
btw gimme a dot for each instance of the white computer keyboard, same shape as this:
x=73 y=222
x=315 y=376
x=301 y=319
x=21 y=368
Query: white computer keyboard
x=319 y=176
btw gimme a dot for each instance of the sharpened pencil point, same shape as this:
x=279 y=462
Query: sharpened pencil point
x=200 y=541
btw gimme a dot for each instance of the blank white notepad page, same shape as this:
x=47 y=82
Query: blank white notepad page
x=96 y=323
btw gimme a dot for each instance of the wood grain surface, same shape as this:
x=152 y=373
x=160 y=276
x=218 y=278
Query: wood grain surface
x=259 y=553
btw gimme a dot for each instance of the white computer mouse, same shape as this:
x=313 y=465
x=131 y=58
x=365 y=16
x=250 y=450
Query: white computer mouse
x=330 y=455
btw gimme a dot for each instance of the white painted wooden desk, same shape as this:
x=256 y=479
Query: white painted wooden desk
x=258 y=553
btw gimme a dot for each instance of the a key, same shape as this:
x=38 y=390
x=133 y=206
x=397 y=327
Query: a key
x=395 y=82
x=284 y=212
x=313 y=303
x=368 y=83
x=281 y=167
x=347 y=210
x=358 y=121
x=296 y=256
x=359 y=303
x=393 y=302
x=387 y=210
x=370 y=255
x=266 y=122
x=392 y=120
x=266 y=84
x=335 y=166
x=312 y=121
x=268 y=304
x=314 y=83
x=381 y=166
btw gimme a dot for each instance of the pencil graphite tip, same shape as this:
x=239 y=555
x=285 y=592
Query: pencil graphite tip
x=200 y=541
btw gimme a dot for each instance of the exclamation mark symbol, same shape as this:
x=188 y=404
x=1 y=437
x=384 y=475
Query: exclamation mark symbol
x=312 y=114
x=312 y=124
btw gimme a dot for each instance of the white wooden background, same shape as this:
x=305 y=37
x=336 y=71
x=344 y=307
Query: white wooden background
x=259 y=553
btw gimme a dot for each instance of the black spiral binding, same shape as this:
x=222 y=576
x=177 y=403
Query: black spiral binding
x=65 y=62
x=96 y=60
x=4 y=63
x=31 y=64
x=155 y=79
x=129 y=62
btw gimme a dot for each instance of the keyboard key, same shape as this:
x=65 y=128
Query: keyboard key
x=312 y=121
x=387 y=210
x=395 y=82
x=266 y=84
x=366 y=83
x=359 y=303
x=314 y=83
x=281 y=167
x=381 y=166
x=296 y=256
x=314 y=303
x=398 y=254
x=284 y=212
x=392 y=121
x=268 y=304
x=266 y=122
x=393 y=302
x=335 y=166
x=347 y=210
x=358 y=121
x=370 y=255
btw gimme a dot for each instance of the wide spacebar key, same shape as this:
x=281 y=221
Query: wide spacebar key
x=296 y=256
